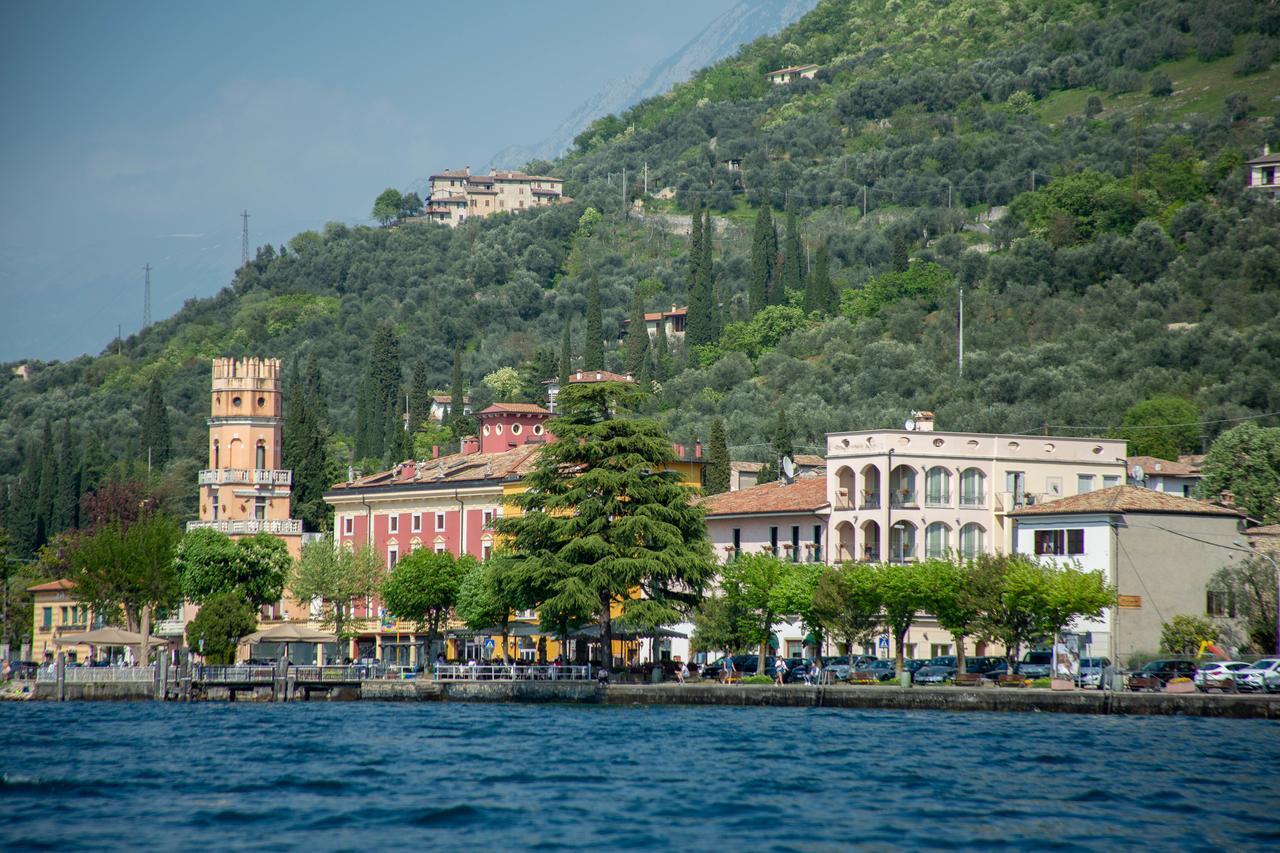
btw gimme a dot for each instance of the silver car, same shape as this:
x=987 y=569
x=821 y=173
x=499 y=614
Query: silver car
x=1219 y=675
x=1262 y=676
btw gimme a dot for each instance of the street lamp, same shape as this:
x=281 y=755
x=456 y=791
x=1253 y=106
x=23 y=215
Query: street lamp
x=901 y=527
x=1239 y=546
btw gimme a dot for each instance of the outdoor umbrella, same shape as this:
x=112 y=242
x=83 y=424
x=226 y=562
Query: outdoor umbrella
x=110 y=636
x=290 y=632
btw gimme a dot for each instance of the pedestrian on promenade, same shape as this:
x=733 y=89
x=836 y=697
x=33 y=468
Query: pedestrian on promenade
x=815 y=673
x=727 y=671
x=779 y=670
x=682 y=673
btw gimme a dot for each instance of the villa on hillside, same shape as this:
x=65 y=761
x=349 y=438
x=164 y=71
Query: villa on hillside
x=582 y=377
x=459 y=195
x=783 y=76
x=671 y=322
x=1264 y=173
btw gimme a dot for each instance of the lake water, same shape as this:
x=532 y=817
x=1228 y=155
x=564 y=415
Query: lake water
x=484 y=777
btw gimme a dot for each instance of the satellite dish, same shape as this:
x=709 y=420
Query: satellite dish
x=1138 y=474
x=910 y=424
x=788 y=467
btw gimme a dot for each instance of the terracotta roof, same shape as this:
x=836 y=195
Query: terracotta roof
x=585 y=376
x=807 y=494
x=544 y=191
x=449 y=174
x=790 y=69
x=1264 y=160
x=1264 y=530
x=803 y=460
x=448 y=398
x=454 y=468
x=517 y=408
x=52 y=586
x=481 y=179
x=1156 y=465
x=1119 y=499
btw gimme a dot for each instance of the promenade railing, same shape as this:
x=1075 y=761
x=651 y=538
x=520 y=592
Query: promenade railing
x=512 y=672
x=235 y=674
x=99 y=674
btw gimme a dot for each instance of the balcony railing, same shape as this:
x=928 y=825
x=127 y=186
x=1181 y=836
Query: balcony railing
x=251 y=526
x=898 y=500
x=973 y=500
x=943 y=499
x=871 y=500
x=246 y=476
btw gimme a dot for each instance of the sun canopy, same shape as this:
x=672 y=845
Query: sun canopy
x=290 y=632
x=514 y=629
x=623 y=631
x=109 y=636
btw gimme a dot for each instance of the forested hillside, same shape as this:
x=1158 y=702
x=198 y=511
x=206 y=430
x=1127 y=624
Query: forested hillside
x=1132 y=280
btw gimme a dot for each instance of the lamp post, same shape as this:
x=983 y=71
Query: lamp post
x=901 y=527
x=1239 y=546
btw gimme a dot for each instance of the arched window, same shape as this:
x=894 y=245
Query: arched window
x=972 y=539
x=902 y=542
x=973 y=487
x=902 y=486
x=937 y=539
x=260 y=459
x=217 y=455
x=937 y=487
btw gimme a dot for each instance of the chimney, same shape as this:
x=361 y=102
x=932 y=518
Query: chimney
x=466 y=170
x=924 y=421
x=471 y=444
x=1227 y=498
x=697 y=449
x=435 y=451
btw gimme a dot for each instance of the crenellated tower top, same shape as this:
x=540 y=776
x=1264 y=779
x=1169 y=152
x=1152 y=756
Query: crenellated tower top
x=242 y=374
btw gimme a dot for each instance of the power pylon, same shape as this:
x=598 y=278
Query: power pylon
x=146 y=296
x=244 y=240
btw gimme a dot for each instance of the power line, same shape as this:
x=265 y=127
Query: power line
x=1173 y=426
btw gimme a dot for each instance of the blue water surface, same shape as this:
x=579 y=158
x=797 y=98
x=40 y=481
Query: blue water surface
x=325 y=776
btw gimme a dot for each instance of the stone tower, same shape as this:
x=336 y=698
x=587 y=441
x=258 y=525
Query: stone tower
x=245 y=490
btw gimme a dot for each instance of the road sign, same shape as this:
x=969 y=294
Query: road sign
x=884 y=642
x=488 y=645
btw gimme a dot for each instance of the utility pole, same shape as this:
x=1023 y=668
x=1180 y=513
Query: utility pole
x=646 y=178
x=146 y=296
x=119 y=340
x=1033 y=180
x=948 y=195
x=624 y=192
x=864 y=199
x=960 y=336
x=244 y=239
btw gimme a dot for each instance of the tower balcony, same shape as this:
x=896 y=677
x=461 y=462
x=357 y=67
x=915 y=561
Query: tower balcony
x=251 y=526
x=248 y=476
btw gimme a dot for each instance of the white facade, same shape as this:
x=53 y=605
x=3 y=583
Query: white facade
x=910 y=494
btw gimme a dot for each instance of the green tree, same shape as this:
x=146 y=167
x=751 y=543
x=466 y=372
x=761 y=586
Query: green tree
x=901 y=260
x=379 y=393
x=846 y=602
x=1250 y=587
x=223 y=621
x=723 y=623
x=1161 y=85
x=387 y=206
x=718 y=462
x=458 y=421
x=820 y=293
x=305 y=445
x=411 y=204
x=951 y=601
x=766 y=587
x=1245 y=460
x=423 y=587
x=602 y=518
x=487 y=598
x=1183 y=634
x=905 y=590
x=637 y=345
x=593 y=347
x=793 y=279
x=764 y=258
x=1093 y=106
x=925 y=281
x=700 y=325
x=1163 y=426
x=430 y=438
x=128 y=568
x=209 y=563
x=156 y=440
x=336 y=578
x=66 y=501
x=781 y=445
x=566 y=354
x=421 y=396
x=505 y=382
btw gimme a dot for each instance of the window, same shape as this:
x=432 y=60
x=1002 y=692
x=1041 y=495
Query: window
x=439 y=521
x=515 y=429
x=773 y=541
x=486 y=550
x=1084 y=484
x=1015 y=483
x=902 y=486
x=795 y=543
x=47 y=621
x=1054 y=543
x=393 y=523
x=488 y=517
x=348 y=525
x=971 y=540
x=972 y=487
x=260 y=460
x=902 y=542
x=737 y=541
x=1219 y=603
x=415 y=522
x=439 y=547
x=1053 y=485
x=938 y=650
x=537 y=429
x=393 y=555
x=937 y=539
x=1109 y=480
x=937 y=487
x=259 y=508
x=817 y=543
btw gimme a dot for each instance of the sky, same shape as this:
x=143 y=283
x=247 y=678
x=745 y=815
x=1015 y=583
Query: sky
x=136 y=133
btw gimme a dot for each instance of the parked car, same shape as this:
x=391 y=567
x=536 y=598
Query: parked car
x=797 y=669
x=1218 y=675
x=1036 y=664
x=884 y=670
x=937 y=671
x=1091 y=671
x=841 y=668
x=1156 y=674
x=1262 y=676
x=998 y=668
x=742 y=664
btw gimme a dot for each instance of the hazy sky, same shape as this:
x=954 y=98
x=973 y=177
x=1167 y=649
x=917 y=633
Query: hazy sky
x=136 y=132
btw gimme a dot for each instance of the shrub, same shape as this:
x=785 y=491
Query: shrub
x=757 y=679
x=1161 y=85
x=1256 y=57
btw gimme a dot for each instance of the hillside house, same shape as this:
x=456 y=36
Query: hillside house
x=783 y=76
x=672 y=322
x=1161 y=475
x=458 y=195
x=582 y=377
x=1264 y=173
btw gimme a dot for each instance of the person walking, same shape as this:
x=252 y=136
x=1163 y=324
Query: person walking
x=727 y=671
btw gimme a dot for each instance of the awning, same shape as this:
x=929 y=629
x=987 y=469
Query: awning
x=110 y=636
x=290 y=632
x=514 y=629
x=623 y=631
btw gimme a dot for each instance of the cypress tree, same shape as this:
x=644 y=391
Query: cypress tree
x=792 y=252
x=661 y=355
x=66 y=510
x=364 y=395
x=700 y=318
x=826 y=292
x=901 y=253
x=457 y=419
x=566 y=355
x=310 y=460
x=717 y=460
x=295 y=414
x=711 y=289
x=764 y=253
x=379 y=394
x=21 y=519
x=420 y=397
x=637 y=349
x=782 y=437
x=93 y=465
x=593 y=348
x=155 y=427
x=48 y=486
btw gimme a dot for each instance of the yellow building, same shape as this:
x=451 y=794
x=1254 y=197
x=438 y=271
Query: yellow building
x=56 y=612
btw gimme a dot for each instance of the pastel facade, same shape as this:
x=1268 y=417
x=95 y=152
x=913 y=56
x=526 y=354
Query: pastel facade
x=1163 y=475
x=459 y=195
x=583 y=377
x=1264 y=173
x=55 y=612
x=1160 y=551
x=783 y=76
x=910 y=494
